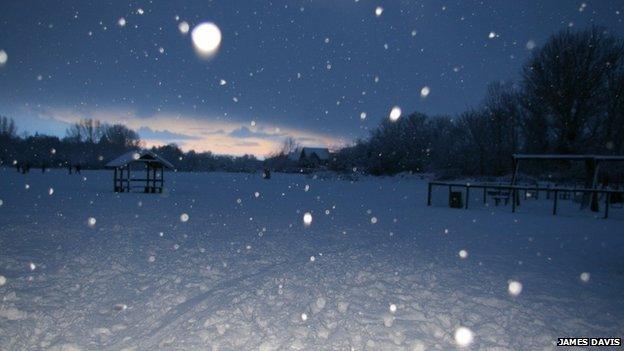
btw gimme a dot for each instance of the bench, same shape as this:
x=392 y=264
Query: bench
x=499 y=196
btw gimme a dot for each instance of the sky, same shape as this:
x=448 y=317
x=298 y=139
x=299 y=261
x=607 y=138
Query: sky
x=325 y=72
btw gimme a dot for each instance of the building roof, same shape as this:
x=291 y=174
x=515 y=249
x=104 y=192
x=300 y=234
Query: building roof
x=138 y=156
x=321 y=152
x=568 y=157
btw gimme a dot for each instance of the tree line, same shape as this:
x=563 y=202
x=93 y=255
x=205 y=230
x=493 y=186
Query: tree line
x=90 y=144
x=569 y=99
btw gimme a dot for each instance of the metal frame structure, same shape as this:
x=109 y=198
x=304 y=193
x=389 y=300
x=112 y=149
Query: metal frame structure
x=590 y=191
x=515 y=192
x=592 y=167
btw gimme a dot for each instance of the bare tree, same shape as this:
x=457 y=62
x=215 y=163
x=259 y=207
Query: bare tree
x=7 y=127
x=289 y=146
x=475 y=125
x=119 y=135
x=566 y=79
x=502 y=108
x=611 y=130
x=86 y=130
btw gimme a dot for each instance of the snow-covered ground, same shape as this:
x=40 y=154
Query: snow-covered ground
x=375 y=270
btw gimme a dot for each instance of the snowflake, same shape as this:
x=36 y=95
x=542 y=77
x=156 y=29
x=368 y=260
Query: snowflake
x=307 y=218
x=424 y=92
x=183 y=27
x=514 y=288
x=463 y=336
x=395 y=113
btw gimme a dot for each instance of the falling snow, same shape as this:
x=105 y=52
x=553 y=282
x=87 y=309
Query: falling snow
x=378 y=269
x=184 y=27
x=424 y=92
x=206 y=39
x=91 y=221
x=184 y=217
x=307 y=218
x=463 y=337
x=514 y=288
x=395 y=113
x=4 y=57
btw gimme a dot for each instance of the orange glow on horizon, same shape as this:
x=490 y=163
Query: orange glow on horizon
x=202 y=134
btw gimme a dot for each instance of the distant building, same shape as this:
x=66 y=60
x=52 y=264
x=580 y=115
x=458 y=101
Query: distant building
x=312 y=156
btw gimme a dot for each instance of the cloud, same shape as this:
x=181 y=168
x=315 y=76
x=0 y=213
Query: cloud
x=216 y=132
x=192 y=131
x=247 y=143
x=165 y=135
x=244 y=132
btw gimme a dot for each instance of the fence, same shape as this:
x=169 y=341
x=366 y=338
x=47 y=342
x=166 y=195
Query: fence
x=514 y=192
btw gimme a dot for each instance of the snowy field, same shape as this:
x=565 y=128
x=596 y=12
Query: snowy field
x=375 y=270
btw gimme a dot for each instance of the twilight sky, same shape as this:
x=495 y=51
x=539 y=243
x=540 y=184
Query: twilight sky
x=301 y=68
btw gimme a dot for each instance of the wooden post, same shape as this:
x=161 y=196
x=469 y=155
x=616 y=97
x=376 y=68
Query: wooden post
x=516 y=166
x=162 y=179
x=128 y=179
x=514 y=179
x=607 y=198
x=429 y=194
x=147 y=178
x=115 y=179
x=513 y=200
x=591 y=176
x=121 y=180
x=555 y=203
x=594 y=199
x=484 y=195
x=467 y=195
x=154 y=179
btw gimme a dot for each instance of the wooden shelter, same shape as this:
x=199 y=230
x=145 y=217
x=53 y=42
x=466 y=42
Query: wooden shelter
x=134 y=163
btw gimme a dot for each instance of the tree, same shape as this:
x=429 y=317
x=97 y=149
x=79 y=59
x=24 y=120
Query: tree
x=7 y=127
x=119 y=135
x=86 y=130
x=564 y=84
x=398 y=146
x=280 y=159
x=289 y=146
x=477 y=144
x=611 y=131
x=503 y=114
